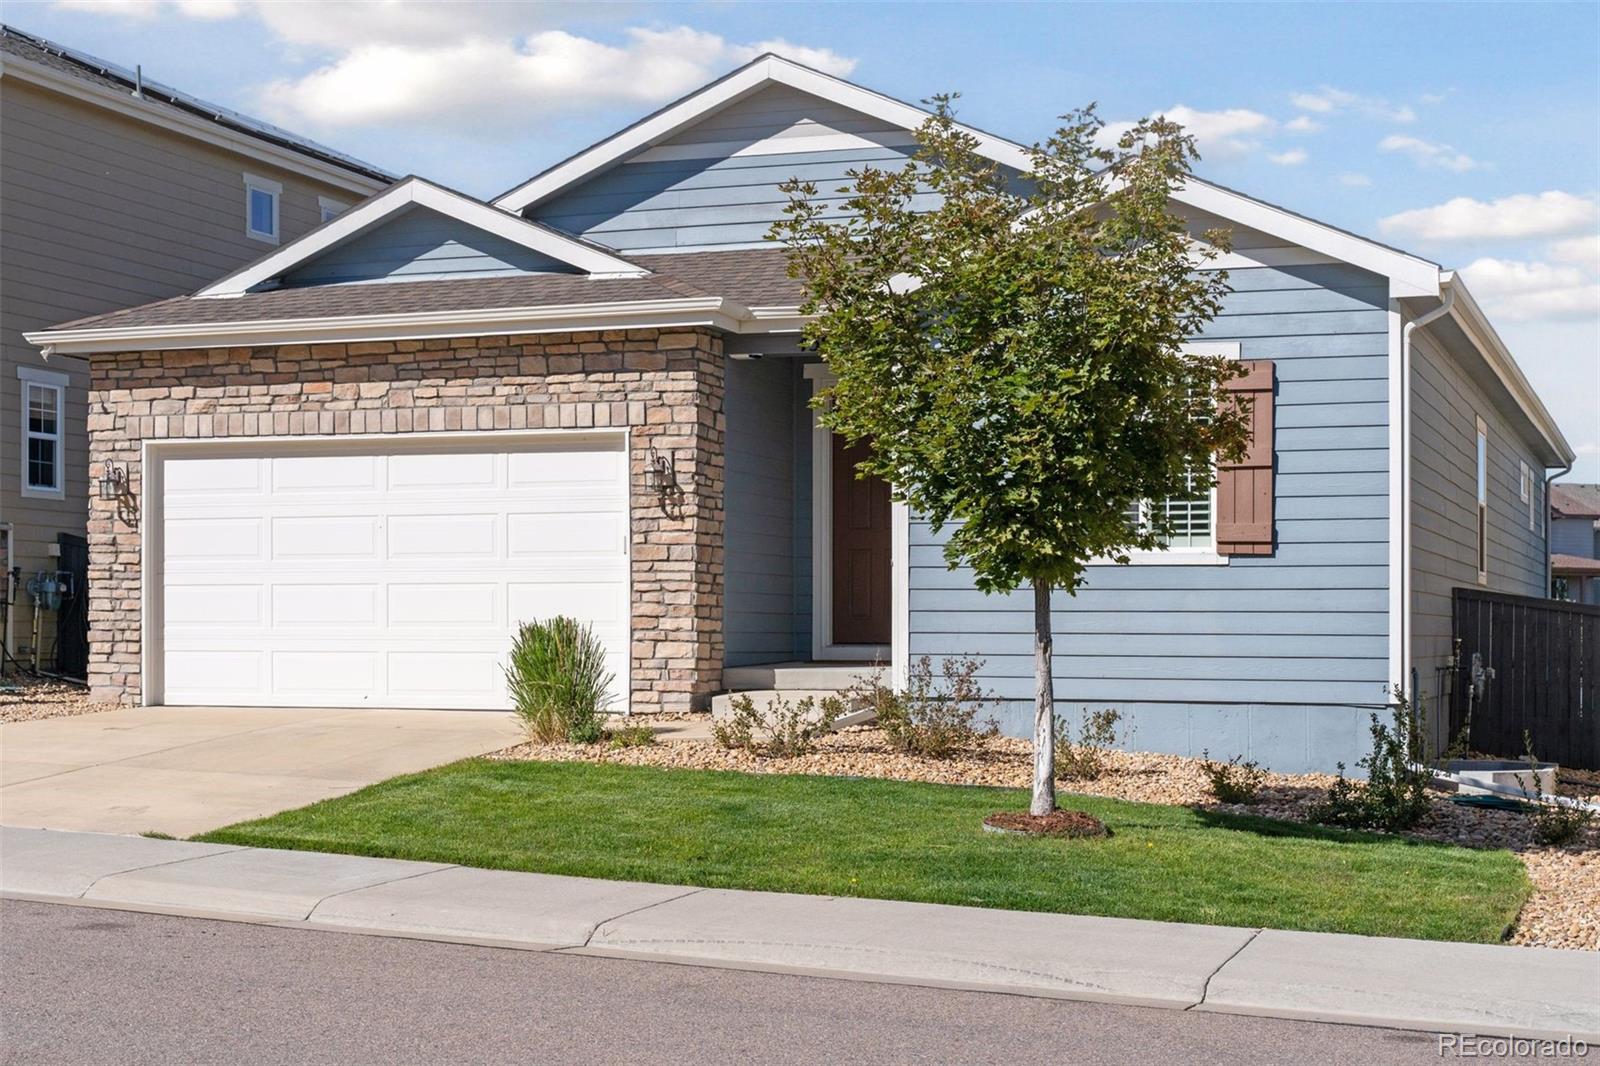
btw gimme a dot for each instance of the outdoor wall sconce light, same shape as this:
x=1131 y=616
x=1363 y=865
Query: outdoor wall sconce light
x=113 y=481
x=661 y=475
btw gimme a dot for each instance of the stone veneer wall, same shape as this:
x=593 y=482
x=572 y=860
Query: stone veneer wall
x=666 y=387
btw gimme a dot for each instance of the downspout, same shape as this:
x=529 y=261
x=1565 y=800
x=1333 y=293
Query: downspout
x=1447 y=301
x=1549 y=567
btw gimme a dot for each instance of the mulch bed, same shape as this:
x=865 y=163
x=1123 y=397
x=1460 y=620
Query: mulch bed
x=1058 y=823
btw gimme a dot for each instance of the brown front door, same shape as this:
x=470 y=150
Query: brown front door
x=861 y=545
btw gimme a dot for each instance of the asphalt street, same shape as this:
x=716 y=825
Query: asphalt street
x=86 y=986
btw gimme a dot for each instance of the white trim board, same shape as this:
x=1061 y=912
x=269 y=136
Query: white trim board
x=823 y=647
x=416 y=191
x=1413 y=275
x=167 y=117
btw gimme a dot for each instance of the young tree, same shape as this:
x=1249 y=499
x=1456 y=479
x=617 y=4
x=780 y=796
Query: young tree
x=1011 y=350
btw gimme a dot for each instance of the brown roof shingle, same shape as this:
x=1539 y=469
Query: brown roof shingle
x=753 y=277
x=1575 y=500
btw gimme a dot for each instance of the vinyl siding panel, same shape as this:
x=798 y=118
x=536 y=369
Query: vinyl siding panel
x=420 y=244
x=100 y=211
x=1575 y=536
x=758 y=508
x=1445 y=404
x=1274 y=657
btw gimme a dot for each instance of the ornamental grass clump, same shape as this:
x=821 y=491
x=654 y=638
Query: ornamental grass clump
x=558 y=681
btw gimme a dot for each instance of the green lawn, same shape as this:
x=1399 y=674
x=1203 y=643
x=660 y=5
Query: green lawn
x=901 y=840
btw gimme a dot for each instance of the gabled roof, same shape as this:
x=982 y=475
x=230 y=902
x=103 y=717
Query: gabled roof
x=1411 y=275
x=48 y=64
x=586 y=256
x=1575 y=500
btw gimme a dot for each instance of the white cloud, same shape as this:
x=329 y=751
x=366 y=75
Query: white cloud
x=1429 y=153
x=1354 y=180
x=1524 y=290
x=1292 y=158
x=1583 y=250
x=1302 y=124
x=470 y=66
x=1329 y=100
x=1226 y=134
x=1548 y=214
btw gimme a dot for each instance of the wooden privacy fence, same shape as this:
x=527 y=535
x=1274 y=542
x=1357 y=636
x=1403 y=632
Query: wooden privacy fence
x=1545 y=655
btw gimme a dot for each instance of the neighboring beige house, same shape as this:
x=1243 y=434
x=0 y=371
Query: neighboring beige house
x=116 y=191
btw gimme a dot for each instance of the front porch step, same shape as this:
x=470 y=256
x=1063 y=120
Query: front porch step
x=797 y=676
x=722 y=704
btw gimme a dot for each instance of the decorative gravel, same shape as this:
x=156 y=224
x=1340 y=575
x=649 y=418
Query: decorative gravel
x=44 y=698
x=1564 y=911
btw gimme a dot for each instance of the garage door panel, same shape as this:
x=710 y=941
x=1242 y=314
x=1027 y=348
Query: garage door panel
x=203 y=539
x=443 y=536
x=392 y=577
x=319 y=474
x=451 y=470
x=576 y=533
x=212 y=605
x=325 y=604
x=445 y=604
x=353 y=537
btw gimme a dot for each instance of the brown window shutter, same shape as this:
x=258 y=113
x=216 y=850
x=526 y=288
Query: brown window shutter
x=1244 y=489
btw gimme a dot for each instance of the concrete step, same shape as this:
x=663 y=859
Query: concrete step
x=797 y=676
x=722 y=703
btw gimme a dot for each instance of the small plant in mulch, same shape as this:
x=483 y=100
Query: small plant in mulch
x=1085 y=758
x=1555 y=825
x=1078 y=825
x=1234 y=781
x=558 y=681
x=784 y=730
x=927 y=717
x=630 y=736
x=1394 y=796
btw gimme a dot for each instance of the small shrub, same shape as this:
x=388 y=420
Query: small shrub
x=926 y=717
x=1085 y=758
x=785 y=730
x=1555 y=825
x=1234 y=781
x=630 y=736
x=1395 y=795
x=558 y=681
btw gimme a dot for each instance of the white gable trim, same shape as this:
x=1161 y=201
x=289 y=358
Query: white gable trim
x=586 y=257
x=1411 y=276
x=747 y=80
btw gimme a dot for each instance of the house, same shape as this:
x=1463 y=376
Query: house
x=114 y=191
x=1575 y=542
x=355 y=464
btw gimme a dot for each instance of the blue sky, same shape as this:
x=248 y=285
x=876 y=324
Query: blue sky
x=1467 y=133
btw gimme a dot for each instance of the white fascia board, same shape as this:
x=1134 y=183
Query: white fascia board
x=402 y=195
x=1409 y=275
x=710 y=311
x=191 y=126
x=768 y=70
x=1475 y=324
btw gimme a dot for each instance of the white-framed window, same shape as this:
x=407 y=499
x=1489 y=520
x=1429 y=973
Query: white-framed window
x=261 y=196
x=1524 y=482
x=328 y=209
x=44 y=414
x=1483 y=502
x=1192 y=518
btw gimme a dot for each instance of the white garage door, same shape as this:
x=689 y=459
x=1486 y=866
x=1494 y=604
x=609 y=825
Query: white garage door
x=332 y=575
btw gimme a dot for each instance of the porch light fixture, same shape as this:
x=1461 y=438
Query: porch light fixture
x=661 y=475
x=113 y=481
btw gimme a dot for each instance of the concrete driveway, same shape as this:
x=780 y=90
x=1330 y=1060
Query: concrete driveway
x=184 y=770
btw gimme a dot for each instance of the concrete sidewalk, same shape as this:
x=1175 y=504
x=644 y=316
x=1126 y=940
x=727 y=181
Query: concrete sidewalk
x=1470 y=988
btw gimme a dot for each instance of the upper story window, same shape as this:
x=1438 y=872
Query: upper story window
x=44 y=409
x=261 y=198
x=328 y=209
x=1483 y=502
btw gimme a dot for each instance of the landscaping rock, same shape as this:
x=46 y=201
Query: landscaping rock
x=44 y=698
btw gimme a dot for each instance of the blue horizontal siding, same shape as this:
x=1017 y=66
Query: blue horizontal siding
x=1274 y=657
x=420 y=244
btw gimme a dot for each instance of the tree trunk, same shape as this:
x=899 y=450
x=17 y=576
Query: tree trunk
x=1044 y=709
